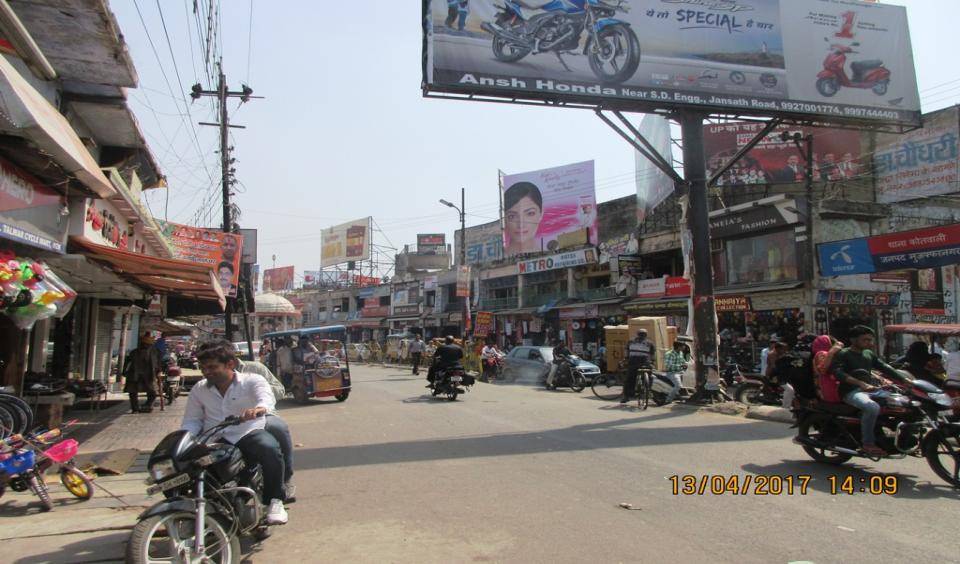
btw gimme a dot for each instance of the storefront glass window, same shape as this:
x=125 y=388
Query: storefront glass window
x=771 y=257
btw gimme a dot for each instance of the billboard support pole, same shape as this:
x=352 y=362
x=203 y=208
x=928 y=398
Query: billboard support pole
x=744 y=150
x=704 y=311
x=653 y=157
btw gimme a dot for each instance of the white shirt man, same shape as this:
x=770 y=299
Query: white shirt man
x=206 y=407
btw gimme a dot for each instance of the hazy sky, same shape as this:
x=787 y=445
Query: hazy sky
x=344 y=131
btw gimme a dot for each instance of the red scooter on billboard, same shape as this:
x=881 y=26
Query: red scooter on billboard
x=866 y=74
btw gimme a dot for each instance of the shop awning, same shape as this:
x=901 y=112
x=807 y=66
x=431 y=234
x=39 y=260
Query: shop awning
x=24 y=112
x=169 y=327
x=519 y=311
x=370 y=322
x=758 y=288
x=943 y=330
x=164 y=276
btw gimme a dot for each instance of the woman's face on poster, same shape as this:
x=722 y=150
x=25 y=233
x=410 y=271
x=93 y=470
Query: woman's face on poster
x=523 y=220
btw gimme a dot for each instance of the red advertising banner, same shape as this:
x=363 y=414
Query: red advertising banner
x=678 y=286
x=212 y=247
x=916 y=240
x=836 y=154
x=484 y=324
x=278 y=279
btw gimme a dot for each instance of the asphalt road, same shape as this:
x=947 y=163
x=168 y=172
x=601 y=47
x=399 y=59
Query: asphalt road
x=519 y=474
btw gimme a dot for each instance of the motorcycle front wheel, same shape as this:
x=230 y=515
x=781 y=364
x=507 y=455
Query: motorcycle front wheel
x=942 y=451
x=577 y=383
x=617 y=56
x=821 y=429
x=168 y=536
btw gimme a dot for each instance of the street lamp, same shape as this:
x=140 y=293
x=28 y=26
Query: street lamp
x=463 y=252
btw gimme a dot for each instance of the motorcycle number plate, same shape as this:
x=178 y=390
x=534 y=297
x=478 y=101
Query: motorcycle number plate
x=168 y=484
x=457 y=379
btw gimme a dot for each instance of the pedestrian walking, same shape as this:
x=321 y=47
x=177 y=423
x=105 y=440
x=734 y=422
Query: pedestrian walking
x=141 y=372
x=416 y=353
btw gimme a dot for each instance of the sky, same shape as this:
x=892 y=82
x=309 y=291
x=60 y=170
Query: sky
x=343 y=131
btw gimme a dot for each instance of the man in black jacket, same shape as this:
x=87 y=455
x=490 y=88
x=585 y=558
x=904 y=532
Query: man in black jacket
x=446 y=356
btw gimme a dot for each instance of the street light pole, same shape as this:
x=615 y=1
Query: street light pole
x=462 y=210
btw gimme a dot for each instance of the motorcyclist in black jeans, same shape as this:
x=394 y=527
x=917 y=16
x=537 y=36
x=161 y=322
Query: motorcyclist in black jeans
x=560 y=354
x=446 y=356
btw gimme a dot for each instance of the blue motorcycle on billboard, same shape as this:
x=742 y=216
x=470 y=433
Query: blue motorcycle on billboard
x=611 y=46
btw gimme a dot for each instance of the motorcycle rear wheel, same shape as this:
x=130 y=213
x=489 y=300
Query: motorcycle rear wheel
x=750 y=394
x=577 y=383
x=507 y=52
x=452 y=395
x=814 y=428
x=828 y=87
x=935 y=450
x=163 y=537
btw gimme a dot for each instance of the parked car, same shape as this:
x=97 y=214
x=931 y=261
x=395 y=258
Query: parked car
x=530 y=365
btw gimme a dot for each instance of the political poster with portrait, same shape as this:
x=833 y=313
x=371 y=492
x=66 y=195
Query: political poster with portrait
x=218 y=250
x=542 y=205
x=836 y=154
x=278 y=279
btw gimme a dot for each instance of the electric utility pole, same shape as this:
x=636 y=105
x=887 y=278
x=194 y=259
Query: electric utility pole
x=223 y=94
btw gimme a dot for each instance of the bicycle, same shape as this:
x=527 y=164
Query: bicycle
x=610 y=386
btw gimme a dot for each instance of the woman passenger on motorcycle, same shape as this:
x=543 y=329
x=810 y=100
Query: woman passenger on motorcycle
x=915 y=360
x=824 y=349
x=523 y=212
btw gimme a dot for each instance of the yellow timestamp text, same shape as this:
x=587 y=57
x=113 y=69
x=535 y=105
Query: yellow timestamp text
x=734 y=484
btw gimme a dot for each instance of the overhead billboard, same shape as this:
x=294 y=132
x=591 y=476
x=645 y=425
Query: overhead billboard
x=840 y=60
x=836 y=154
x=920 y=163
x=211 y=247
x=345 y=243
x=431 y=243
x=484 y=243
x=278 y=279
x=540 y=206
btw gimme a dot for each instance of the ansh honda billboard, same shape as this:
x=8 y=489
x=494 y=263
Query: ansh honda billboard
x=840 y=60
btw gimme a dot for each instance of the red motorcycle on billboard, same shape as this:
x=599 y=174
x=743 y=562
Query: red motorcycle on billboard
x=866 y=74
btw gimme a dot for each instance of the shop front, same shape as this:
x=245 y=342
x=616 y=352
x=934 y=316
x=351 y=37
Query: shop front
x=838 y=311
x=747 y=322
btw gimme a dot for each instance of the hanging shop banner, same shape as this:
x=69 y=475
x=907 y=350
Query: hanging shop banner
x=540 y=206
x=431 y=244
x=562 y=260
x=651 y=288
x=836 y=154
x=346 y=242
x=920 y=163
x=220 y=251
x=623 y=245
x=463 y=281
x=484 y=243
x=839 y=297
x=630 y=266
x=653 y=185
x=920 y=248
x=29 y=211
x=733 y=303
x=678 y=286
x=249 y=255
x=750 y=218
x=484 y=324
x=278 y=279
x=841 y=60
x=926 y=289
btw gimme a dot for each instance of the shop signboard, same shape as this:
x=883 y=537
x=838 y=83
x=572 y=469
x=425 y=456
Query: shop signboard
x=30 y=211
x=278 y=279
x=589 y=311
x=892 y=277
x=463 y=281
x=876 y=299
x=553 y=262
x=921 y=163
x=926 y=291
x=484 y=243
x=413 y=309
x=429 y=283
x=678 y=286
x=431 y=243
x=733 y=303
x=916 y=249
x=651 y=288
x=484 y=326
x=222 y=252
x=757 y=57
x=752 y=217
x=658 y=307
x=372 y=308
x=541 y=206
x=345 y=242
x=626 y=244
x=630 y=266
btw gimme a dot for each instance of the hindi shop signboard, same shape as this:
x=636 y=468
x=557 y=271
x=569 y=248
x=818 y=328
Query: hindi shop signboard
x=484 y=325
x=920 y=248
x=757 y=57
x=920 y=163
x=562 y=260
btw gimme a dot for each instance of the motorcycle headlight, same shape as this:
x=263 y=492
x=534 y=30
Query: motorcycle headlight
x=943 y=400
x=162 y=469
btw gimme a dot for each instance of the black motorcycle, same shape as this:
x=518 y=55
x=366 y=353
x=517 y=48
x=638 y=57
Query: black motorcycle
x=611 y=46
x=913 y=422
x=451 y=382
x=212 y=498
x=569 y=375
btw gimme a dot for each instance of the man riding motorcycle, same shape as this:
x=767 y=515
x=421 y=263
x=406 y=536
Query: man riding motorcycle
x=447 y=355
x=560 y=354
x=225 y=392
x=852 y=368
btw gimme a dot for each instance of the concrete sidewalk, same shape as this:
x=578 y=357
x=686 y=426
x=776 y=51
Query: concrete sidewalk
x=95 y=530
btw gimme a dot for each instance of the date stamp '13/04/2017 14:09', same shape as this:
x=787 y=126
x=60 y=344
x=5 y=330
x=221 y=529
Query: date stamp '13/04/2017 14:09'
x=760 y=484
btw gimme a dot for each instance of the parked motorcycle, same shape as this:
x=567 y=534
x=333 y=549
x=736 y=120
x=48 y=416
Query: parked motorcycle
x=612 y=47
x=187 y=360
x=757 y=391
x=171 y=379
x=660 y=389
x=866 y=74
x=569 y=375
x=212 y=498
x=913 y=422
x=451 y=382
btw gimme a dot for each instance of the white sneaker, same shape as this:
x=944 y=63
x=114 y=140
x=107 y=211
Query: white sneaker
x=276 y=514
